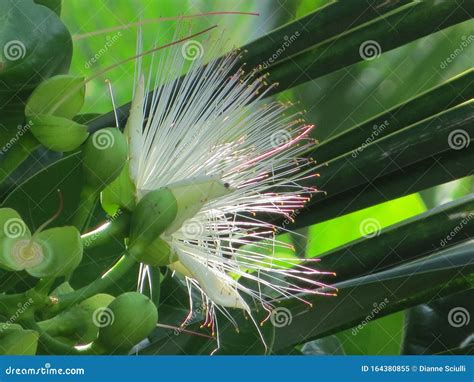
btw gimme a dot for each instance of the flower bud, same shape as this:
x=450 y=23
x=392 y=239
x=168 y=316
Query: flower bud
x=120 y=194
x=192 y=194
x=134 y=317
x=164 y=211
x=54 y=5
x=17 y=341
x=61 y=96
x=104 y=156
x=153 y=214
x=58 y=133
x=159 y=253
x=97 y=315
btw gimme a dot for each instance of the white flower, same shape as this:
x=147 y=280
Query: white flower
x=214 y=125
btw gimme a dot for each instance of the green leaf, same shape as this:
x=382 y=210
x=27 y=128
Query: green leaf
x=385 y=33
x=57 y=133
x=380 y=337
x=365 y=298
x=14 y=341
x=315 y=27
x=402 y=242
x=430 y=172
x=62 y=96
x=440 y=325
x=391 y=165
x=452 y=92
x=31 y=48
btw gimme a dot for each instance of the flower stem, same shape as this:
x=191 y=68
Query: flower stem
x=86 y=207
x=112 y=276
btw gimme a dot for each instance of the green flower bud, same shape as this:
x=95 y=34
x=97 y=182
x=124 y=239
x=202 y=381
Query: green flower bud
x=153 y=214
x=120 y=194
x=104 y=156
x=61 y=96
x=164 y=211
x=135 y=316
x=54 y=5
x=191 y=195
x=159 y=253
x=58 y=133
x=16 y=341
x=97 y=315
